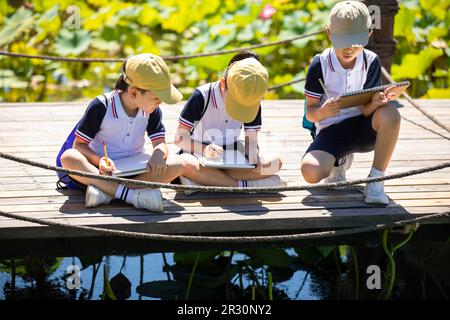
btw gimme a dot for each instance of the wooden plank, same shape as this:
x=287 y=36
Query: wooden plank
x=229 y=222
x=77 y=210
x=36 y=131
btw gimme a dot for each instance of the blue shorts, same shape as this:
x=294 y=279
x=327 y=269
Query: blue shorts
x=352 y=135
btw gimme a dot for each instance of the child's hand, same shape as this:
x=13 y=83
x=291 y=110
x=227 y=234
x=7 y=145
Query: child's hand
x=157 y=164
x=381 y=98
x=331 y=107
x=213 y=151
x=255 y=159
x=106 y=167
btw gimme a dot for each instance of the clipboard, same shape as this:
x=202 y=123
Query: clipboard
x=131 y=166
x=362 y=97
x=231 y=159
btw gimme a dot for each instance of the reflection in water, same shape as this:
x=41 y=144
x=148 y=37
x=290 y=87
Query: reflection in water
x=319 y=272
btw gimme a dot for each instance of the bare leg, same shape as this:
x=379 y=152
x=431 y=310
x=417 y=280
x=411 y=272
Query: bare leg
x=176 y=166
x=75 y=160
x=386 y=122
x=317 y=165
x=269 y=166
x=188 y=166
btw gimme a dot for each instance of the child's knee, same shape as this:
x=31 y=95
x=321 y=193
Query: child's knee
x=311 y=173
x=70 y=157
x=269 y=166
x=190 y=163
x=279 y=162
x=388 y=115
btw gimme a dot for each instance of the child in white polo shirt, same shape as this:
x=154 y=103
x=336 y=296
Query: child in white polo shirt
x=345 y=67
x=212 y=120
x=120 y=119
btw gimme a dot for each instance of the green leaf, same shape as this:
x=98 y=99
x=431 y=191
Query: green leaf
x=171 y=290
x=148 y=16
x=436 y=33
x=438 y=8
x=313 y=254
x=273 y=257
x=19 y=22
x=47 y=25
x=404 y=21
x=325 y=250
x=343 y=251
x=210 y=277
x=107 y=294
x=187 y=258
x=214 y=63
x=437 y=93
x=72 y=42
x=183 y=17
x=121 y=286
x=87 y=261
x=414 y=65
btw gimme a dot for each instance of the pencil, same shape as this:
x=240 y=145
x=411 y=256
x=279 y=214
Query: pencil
x=105 y=153
x=324 y=89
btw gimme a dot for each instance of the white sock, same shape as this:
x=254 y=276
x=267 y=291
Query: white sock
x=374 y=172
x=242 y=183
x=123 y=193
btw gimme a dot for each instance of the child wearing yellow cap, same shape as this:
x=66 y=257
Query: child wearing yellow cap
x=345 y=67
x=212 y=120
x=120 y=119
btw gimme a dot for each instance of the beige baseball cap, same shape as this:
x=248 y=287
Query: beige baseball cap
x=149 y=72
x=247 y=82
x=349 y=23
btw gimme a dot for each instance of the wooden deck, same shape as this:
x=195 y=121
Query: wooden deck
x=36 y=131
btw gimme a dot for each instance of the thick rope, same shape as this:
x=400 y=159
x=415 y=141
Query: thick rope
x=224 y=189
x=221 y=239
x=425 y=128
x=415 y=105
x=284 y=84
x=168 y=58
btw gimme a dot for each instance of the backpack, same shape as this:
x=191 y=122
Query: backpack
x=308 y=124
x=64 y=181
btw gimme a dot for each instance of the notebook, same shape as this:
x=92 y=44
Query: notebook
x=362 y=97
x=131 y=166
x=231 y=159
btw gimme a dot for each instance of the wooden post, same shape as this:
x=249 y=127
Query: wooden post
x=382 y=41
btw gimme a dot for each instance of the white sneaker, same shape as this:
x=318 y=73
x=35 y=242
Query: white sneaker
x=375 y=194
x=271 y=181
x=95 y=197
x=187 y=182
x=150 y=199
x=338 y=173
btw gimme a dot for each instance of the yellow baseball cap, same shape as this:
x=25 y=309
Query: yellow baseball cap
x=247 y=82
x=149 y=72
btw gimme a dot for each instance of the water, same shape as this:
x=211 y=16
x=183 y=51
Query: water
x=302 y=272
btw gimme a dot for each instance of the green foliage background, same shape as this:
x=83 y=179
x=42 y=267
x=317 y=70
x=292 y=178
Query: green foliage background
x=115 y=28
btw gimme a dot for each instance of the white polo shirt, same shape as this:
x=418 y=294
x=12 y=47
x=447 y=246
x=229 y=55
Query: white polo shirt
x=211 y=123
x=124 y=136
x=365 y=74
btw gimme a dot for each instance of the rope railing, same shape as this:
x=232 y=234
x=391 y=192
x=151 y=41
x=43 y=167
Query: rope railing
x=168 y=58
x=415 y=105
x=227 y=239
x=284 y=84
x=149 y=184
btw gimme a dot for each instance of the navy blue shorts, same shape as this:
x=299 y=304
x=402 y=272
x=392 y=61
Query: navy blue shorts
x=349 y=136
